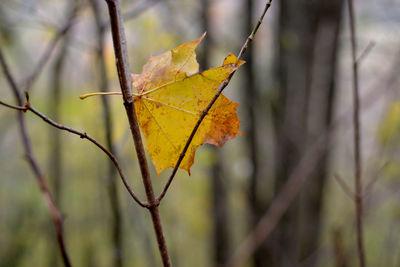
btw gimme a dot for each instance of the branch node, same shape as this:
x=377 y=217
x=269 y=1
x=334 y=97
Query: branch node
x=128 y=104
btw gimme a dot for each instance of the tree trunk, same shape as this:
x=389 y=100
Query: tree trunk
x=307 y=39
x=55 y=154
x=219 y=195
x=250 y=104
x=116 y=218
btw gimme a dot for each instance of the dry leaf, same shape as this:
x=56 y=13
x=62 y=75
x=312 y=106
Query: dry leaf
x=172 y=94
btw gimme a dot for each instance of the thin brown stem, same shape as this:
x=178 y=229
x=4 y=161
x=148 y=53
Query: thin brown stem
x=12 y=106
x=116 y=220
x=44 y=58
x=136 y=11
x=357 y=138
x=346 y=189
x=365 y=52
x=207 y=109
x=121 y=55
x=84 y=135
x=55 y=214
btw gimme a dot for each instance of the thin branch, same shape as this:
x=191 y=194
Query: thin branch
x=12 y=106
x=268 y=222
x=84 y=135
x=207 y=109
x=30 y=80
x=122 y=60
x=346 y=189
x=135 y=12
x=55 y=214
x=139 y=9
x=281 y=203
x=365 y=52
x=357 y=138
x=371 y=183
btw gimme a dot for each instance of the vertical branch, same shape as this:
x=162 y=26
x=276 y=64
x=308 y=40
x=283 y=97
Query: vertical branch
x=55 y=156
x=357 y=137
x=261 y=256
x=112 y=186
x=121 y=55
x=55 y=161
x=220 y=246
x=55 y=214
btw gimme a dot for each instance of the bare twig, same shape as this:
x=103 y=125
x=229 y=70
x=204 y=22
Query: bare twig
x=83 y=135
x=365 y=52
x=357 y=147
x=121 y=55
x=29 y=81
x=207 y=109
x=12 y=106
x=137 y=10
x=346 y=189
x=371 y=183
x=55 y=214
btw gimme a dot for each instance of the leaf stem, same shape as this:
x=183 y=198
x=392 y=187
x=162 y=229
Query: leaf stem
x=99 y=93
x=122 y=59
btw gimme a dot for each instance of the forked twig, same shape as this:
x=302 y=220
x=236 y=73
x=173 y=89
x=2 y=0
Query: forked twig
x=54 y=212
x=83 y=135
x=207 y=109
x=29 y=81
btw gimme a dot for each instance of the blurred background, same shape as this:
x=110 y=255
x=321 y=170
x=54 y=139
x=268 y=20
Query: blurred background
x=294 y=91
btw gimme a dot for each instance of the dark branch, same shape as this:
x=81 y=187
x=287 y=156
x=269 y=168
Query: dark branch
x=207 y=109
x=84 y=135
x=55 y=214
x=12 y=106
x=122 y=60
x=357 y=137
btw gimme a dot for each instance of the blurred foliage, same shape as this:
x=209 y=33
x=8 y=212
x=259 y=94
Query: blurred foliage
x=389 y=131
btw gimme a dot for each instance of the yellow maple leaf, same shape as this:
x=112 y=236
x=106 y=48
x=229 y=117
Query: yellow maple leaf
x=171 y=96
